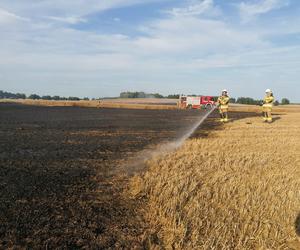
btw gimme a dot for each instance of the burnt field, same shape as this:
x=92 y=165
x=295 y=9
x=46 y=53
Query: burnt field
x=59 y=186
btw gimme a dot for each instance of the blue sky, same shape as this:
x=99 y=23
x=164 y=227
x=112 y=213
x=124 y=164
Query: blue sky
x=99 y=48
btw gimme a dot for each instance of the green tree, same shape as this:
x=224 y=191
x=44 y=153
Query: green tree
x=8 y=95
x=232 y=100
x=73 y=98
x=46 y=97
x=139 y=95
x=248 y=100
x=174 y=96
x=20 y=96
x=56 y=98
x=34 y=97
x=157 y=95
x=285 y=101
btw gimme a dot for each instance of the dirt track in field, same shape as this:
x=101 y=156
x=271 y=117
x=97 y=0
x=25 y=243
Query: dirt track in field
x=58 y=187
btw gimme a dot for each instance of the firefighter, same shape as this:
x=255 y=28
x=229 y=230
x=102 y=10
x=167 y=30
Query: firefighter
x=223 y=102
x=267 y=106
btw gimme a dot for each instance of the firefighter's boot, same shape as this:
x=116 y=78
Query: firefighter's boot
x=221 y=116
x=226 y=117
x=265 y=115
x=265 y=118
x=269 y=119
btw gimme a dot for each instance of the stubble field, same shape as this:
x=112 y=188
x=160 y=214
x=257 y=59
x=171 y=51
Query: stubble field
x=66 y=179
x=238 y=187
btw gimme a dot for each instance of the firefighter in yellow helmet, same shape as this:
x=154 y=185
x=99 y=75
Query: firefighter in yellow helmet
x=267 y=106
x=223 y=103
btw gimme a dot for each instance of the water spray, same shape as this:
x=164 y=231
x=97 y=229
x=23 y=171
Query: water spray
x=138 y=163
x=190 y=132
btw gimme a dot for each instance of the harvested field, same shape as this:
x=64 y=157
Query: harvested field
x=65 y=179
x=136 y=103
x=236 y=187
x=153 y=101
x=58 y=181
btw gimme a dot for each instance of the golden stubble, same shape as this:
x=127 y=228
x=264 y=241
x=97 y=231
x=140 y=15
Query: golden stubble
x=238 y=188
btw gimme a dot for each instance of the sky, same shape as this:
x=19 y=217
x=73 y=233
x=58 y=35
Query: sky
x=99 y=48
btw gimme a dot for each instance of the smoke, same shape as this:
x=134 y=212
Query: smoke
x=138 y=163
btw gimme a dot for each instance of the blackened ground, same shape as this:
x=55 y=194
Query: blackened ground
x=58 y=187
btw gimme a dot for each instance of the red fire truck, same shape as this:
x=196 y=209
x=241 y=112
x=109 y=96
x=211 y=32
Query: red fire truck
x=196 y=102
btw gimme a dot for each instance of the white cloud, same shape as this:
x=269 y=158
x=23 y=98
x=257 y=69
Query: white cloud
x=194 y=36
x=195 y=8
x=69 y=20
x=62 y=9
x=248 y=10
x=8 y=17
x=188 y=46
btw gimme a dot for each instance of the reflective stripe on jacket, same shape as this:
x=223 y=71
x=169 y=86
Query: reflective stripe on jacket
x=269 y=100
x=223 y=102
x=268 y=103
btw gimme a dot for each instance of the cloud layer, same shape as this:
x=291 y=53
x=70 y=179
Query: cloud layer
x=248 y=10
x=188 y=47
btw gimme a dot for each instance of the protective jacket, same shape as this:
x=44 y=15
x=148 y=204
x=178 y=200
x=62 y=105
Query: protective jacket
x=223 y=102
x=268 y=101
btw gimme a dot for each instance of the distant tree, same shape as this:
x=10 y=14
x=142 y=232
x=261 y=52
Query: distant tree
x=46 y=97
x=56 y=98
x=72 y=98
x=157 y=95
x=232 y=100
x=248 y=100
x=20 y=96
x=126 y=95
x=285 y=101
x=86 y=99
x=34 y=97
x=276 y=103
x=139 y=95
x=175 y=96
x=8 y=95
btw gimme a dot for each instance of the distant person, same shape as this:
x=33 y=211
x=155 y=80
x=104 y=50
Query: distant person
x=223 y=103
x=267 y=106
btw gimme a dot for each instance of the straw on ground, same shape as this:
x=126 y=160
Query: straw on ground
x=239 y=188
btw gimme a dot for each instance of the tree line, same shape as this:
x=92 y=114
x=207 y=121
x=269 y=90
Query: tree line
x=128 y=94
x=141 y=94
x=251 y=101
x=8 y=95
x=240 y=100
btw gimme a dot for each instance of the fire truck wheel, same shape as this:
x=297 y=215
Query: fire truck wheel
x=208 y=106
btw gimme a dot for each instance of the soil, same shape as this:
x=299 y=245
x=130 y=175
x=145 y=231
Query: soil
x=58 y=183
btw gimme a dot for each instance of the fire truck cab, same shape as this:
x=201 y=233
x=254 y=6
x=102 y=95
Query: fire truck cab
x=196 y=102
